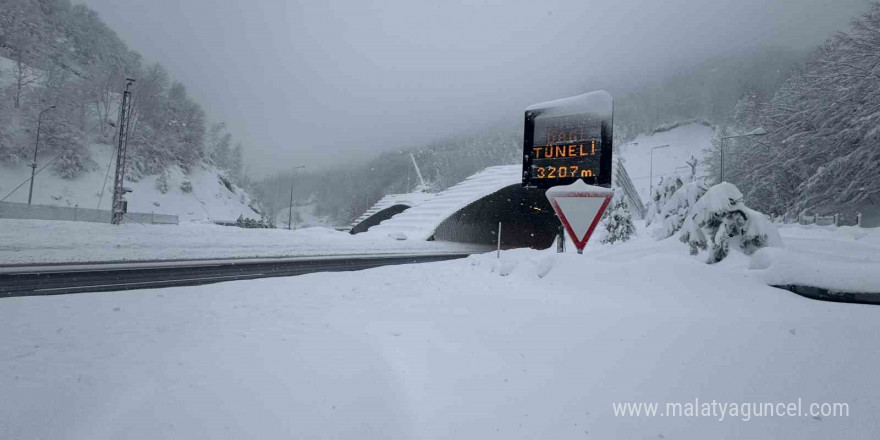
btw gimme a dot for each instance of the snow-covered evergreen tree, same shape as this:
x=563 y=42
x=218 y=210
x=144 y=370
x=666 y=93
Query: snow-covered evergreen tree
x=617 y=220
x=676 y=209
x=719 y=219
x=821 y=152
x=665 y=188
x=162 y=182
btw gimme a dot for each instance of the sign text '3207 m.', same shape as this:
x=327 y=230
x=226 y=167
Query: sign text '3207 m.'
x=562 y=160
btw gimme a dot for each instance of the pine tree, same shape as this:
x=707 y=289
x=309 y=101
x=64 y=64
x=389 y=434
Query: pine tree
x=676 y=209
x=662 y=192
x=617 y=220
x=162 y=182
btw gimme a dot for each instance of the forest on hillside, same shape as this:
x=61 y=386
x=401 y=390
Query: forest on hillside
x=63 y=55
x=822 y=150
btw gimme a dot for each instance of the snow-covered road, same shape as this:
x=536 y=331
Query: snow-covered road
x=443 y=350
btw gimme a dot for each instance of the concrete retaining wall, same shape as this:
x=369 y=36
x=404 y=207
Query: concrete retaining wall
x=42 y=212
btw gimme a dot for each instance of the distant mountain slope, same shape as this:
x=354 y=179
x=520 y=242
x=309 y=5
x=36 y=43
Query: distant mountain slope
x=686 y=140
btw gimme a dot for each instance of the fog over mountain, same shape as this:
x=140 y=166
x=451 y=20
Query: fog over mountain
x=312 y=83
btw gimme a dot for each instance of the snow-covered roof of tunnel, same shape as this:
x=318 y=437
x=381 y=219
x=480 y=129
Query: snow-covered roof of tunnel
x=420 y=222
x=410 y=200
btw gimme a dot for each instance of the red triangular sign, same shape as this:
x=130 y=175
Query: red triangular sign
x=579 y=207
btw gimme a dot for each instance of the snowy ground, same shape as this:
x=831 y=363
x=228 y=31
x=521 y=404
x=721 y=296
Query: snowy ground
x=447 y=350
x=43 y=241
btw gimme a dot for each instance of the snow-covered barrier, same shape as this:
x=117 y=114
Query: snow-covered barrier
x=75 y=213
x=470 y=212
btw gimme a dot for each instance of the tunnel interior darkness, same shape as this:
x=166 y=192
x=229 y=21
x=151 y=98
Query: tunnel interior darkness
x=377 y=218
x=527 y=220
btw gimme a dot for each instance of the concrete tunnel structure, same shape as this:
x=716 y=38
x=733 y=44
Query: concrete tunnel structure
x=469 y=212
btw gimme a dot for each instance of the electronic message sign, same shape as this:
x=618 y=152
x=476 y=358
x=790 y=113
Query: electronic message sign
x=568 y=140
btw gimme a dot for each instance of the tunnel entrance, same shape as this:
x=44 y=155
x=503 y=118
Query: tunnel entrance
x=527 y=220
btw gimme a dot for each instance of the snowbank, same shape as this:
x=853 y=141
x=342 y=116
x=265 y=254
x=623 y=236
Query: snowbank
x=845 y=259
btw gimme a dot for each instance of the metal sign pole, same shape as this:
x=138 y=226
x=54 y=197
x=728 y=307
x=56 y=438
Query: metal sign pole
x=560 y=240
x=499 y=241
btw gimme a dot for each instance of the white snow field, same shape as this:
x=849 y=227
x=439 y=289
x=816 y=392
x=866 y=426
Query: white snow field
x=538 y=345
x=685 y=140
x=48 y=241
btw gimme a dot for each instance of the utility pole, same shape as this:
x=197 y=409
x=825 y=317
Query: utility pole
x=651 y=184
x=290 y=207
x=34 y=163
x=119 y=204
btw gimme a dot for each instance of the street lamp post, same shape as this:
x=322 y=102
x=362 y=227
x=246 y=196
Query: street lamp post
x=651 y=183
x=290 y=207
x=756 y=132
x=34 y=163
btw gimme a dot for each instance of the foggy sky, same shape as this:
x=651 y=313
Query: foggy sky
x=312 y=82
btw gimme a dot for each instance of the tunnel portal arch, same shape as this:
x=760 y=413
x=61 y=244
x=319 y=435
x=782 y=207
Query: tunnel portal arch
x=526 y=217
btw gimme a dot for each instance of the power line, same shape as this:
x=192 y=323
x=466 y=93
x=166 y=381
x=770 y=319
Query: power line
x=106 y=176
x=28 y=179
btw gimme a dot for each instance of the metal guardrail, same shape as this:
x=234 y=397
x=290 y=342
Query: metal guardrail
x=824 y=220
x=622 y=179
x=75 y=213
x=59 y=279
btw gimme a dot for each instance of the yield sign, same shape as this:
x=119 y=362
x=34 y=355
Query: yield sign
x=579 y=207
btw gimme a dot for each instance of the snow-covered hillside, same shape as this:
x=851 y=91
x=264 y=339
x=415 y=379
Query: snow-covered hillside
x=210 y=198
x=686 y=140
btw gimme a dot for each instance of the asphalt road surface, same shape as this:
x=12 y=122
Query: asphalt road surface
x=59 y=279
